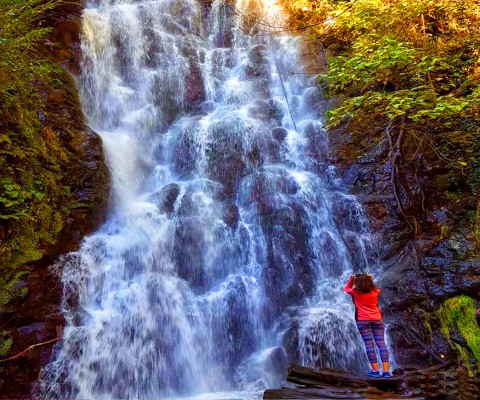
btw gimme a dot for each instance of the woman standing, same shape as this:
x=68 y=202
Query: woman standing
x=369 y=320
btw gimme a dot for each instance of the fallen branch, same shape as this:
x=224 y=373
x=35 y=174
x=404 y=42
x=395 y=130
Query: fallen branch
x=29 y=348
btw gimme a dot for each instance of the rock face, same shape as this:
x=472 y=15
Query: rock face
x=36 y=317
x=421 y=269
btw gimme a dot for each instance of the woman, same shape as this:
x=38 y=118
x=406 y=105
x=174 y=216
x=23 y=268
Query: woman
x=369 y=320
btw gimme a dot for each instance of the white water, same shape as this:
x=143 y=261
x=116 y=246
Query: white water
x=225 y=250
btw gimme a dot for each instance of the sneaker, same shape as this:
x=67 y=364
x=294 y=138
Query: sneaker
x=386 y=375
x=374 y=374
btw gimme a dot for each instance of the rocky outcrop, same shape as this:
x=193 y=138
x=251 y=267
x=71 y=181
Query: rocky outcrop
x=426 y=250
x=35 y=317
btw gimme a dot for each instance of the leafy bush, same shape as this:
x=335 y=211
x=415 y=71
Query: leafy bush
x=406 y=73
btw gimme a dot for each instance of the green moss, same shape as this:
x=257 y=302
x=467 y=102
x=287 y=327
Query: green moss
x=11 y=288
x=457 y=315
x=444 y=230
x=5 y=343
x=428 y=324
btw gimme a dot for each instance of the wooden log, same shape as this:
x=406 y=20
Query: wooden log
x=309 y=393
x=328 y=383
x=314 y=393
x=327 y=376
x=409 y=383
x=331 y=377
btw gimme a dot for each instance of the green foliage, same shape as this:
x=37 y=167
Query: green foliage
x=406 y=74
x=5 y=343
x=10 y=283
x=457 y=315
x=14 y=196
x=34 y=199
x=394 y=67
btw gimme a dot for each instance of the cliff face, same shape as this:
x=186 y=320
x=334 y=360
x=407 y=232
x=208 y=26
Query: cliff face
x=31 y=313
x=431 y=270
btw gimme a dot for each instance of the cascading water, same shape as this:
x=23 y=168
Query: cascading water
x=229 y=238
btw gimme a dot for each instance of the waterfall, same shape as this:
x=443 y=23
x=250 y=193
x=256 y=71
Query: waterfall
x=229 y=236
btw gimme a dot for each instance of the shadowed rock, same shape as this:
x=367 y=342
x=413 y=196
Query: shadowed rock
x=279 y=134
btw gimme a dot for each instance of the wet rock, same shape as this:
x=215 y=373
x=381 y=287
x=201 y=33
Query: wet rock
x=90 y=187
x=236 y=148
x=224 y=34
x=330 y=254
x=241 y=341
x=188 y=252
x=313 y=102
x=186 y=147
x=235 y=333
x=348 y=214
x=165 y=198
x=167 y=96
x=354 y=247
x=267 y=181
x=277 y=362
x=258 y=64
x=397 y=278
x=207 y=107
x=194 y=87
x=284 y=224
x=231 y=215
x=227 y=163
x=295 y=293
x=317 y=141
x=257 y=70
x=197 y=220
x=279 y=134
x=260 y=109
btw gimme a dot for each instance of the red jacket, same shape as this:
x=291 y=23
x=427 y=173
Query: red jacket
x=365 y=303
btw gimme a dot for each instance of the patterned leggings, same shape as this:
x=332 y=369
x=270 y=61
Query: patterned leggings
x=366 y=329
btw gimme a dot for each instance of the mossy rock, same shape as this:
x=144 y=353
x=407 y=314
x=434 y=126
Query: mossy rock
x=458 y=321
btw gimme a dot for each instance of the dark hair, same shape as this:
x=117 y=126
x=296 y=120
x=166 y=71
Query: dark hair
x=364 y=283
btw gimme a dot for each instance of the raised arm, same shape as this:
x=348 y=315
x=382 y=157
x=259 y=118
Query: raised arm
x=349 y=286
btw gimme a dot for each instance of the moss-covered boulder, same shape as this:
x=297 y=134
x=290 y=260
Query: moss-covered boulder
x=459 y=326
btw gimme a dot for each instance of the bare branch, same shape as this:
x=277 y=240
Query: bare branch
x=29 y=348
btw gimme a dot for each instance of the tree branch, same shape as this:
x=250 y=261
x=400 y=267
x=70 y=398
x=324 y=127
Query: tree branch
x=29 y=348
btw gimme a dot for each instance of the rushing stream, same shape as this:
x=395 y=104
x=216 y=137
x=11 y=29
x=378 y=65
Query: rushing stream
x=228 y=238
